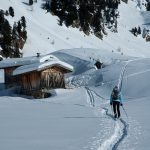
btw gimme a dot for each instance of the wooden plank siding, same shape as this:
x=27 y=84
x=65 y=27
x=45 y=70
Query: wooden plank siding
x=30 y=81
x=35 y=81
x=52 y=80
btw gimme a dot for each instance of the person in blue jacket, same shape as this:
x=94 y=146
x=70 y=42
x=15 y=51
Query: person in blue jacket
x=116 y=101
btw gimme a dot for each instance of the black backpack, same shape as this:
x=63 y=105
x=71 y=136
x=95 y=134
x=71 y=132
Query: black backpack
x=115 y=95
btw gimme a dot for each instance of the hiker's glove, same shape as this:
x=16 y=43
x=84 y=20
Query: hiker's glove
x=110 y=103
x=121 y=104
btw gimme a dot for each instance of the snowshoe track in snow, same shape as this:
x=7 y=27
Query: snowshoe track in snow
x=89 y=92
x=120 y=129
x=120 y=132
x=125 y=133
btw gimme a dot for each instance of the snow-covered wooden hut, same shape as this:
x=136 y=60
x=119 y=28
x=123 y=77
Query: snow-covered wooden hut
x=9 y=65
x=34 y=74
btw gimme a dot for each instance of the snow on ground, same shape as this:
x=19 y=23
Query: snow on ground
x=81 y=118
x=138 y=109
x=135 y=86
x=57 y=123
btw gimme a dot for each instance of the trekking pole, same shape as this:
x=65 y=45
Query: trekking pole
x=125 y=111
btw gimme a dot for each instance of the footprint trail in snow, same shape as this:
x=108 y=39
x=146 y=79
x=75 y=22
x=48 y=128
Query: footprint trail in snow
x=120 y=128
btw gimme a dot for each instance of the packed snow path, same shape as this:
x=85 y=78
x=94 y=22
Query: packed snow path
x=124 y=69
x=120 y=127
x=120 y=132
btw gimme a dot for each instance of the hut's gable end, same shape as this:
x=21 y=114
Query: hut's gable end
x=55 y=69
x=52 y=78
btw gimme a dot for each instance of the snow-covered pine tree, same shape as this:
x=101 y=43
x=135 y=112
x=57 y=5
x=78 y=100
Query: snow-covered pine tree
x=148 y=6
x=30 y=2
x=139 y=30
x=19 y=27
x=1 y=17
x=6 y=44
x=71 y=13
x=87 y=15
x=23 y=22
x=11 y=11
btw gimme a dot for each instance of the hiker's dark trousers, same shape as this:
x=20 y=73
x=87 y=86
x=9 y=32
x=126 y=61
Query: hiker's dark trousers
x=116 y=109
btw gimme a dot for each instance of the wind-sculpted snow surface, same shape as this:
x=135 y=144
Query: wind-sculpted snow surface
x=81 y=118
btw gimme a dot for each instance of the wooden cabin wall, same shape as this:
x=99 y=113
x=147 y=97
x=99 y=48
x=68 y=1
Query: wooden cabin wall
x=52 y=78
x=35 y=82
x=10 y=80
x=30 y=81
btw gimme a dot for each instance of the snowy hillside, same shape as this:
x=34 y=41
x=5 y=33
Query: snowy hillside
x=45 y=35
x=80 y=117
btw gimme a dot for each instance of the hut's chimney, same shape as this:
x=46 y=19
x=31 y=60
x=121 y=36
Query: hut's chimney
x=38 y=54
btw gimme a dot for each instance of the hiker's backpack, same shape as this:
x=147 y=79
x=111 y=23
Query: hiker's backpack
x=115 y=95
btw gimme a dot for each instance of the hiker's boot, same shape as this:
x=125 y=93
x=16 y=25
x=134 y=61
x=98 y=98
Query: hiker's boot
x=115 y=116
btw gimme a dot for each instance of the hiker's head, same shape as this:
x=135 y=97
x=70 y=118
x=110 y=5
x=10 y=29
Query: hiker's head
x=116 y=89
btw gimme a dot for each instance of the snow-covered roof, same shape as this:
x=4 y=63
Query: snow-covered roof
x=12 y=62
x=41 y=66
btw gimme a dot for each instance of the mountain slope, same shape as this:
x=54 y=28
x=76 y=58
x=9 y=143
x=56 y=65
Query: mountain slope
x=45 y=35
